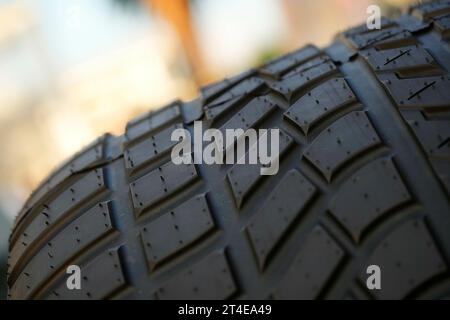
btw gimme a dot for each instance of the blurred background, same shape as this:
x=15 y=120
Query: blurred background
x=72 y=70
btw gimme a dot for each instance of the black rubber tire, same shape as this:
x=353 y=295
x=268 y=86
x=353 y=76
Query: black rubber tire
x=364 y=180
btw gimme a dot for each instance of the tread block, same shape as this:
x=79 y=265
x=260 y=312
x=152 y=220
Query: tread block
x=150 y=149
x=209 y=279
x=93 y=154
x=313 y=67
x=243 y=178
x=430 y=10
x=362 y=28
x=248 y=117
x=401 y=39
x=218 y=110
x=408 y=257
x=101 y=278
x=303 y=75
x=320 y=102
x=243 y=88
x=153 y=121
x=78 y=193
x=434 y=136
x=383 y=39
x=406 y=61
x=213 y=90
x=281 y=65
x=176 y=230
x=348 y=137
x=75 y=237
x=442 y=169
x=278 y=214
x=427 y=94
x=368 y=195
x=442 y=25
x=314 y=264
x=160 y=183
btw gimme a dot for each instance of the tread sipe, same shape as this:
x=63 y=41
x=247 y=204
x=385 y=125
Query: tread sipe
x=364 y=180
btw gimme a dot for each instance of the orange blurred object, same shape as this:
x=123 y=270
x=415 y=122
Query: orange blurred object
x=178 y=14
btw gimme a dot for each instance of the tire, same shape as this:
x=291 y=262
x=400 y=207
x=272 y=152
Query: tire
x=364 y=180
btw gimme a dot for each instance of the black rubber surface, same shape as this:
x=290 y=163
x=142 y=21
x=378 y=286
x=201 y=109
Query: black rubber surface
x=364 y=179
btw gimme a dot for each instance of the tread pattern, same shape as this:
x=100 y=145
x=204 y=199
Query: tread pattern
x=442 y=25
x=317 y=259
x=245 y=87
x=51 y=213
x=244 y=178
x=431 y=10
x=150 y=149
x=417 y=266
x=348 y=137
x=276 y=216
x=402 y=61
x=80 y=233
x=101 y=278
x=363 y=123
x=185 y=225
x=248 y=117
x=159 y=184
x=209 y=279
x=281 y=66
x=305 y=74
x=369 y=202
x=419 y=86
x=321 y=102
x=152 y=122
x=93 y=154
